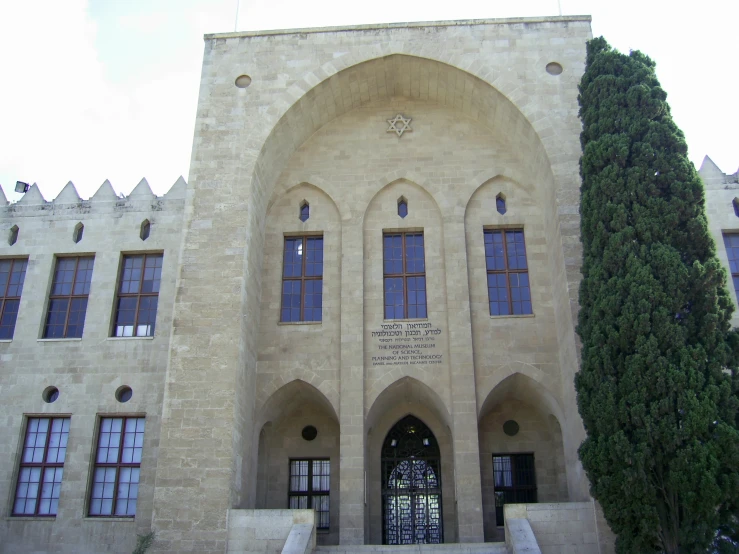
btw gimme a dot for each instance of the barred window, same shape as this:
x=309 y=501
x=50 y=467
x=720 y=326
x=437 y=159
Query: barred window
x=731 y=241
x=12 y=275
x=41 y=467
x=138 y=295
x=404 y=270
x=115 y=483
x=68 y=300
x=309 y=488
x=515 y=481
x=302 y=279
x=509 y=292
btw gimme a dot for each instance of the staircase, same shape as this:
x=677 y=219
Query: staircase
x=463 y=548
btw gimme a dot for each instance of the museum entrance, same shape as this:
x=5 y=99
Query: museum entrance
x=411 y=485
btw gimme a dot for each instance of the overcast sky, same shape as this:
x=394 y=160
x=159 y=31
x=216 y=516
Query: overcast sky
x=107 y=89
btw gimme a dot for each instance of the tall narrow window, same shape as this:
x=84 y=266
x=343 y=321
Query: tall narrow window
x=508 y=273
x=731 y=241
x=138 y=295
x=309 y=488
x=12 y=275
x=404 y=271
x=41 y=467
x=115 y=482
x=302 y=279
x=515 y=481
x=68 y=299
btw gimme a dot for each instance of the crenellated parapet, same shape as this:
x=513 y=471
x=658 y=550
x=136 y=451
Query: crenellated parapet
x=105 y=200
x=714 y=178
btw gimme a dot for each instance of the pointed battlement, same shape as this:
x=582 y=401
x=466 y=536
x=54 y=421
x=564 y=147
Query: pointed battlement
x=713 y=177
x=105 y=198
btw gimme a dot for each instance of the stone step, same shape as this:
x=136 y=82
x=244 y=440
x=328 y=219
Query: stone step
x=464 y=548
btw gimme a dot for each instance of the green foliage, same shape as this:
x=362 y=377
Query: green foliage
x=143 y=542
x=655 y=391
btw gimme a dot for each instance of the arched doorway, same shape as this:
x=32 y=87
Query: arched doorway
x=411 y=485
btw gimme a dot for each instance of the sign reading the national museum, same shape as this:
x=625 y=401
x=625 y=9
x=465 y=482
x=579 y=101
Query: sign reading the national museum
x=406 y=344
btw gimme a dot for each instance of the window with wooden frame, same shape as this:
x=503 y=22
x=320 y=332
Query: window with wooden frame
x=302 y=279
x=509 y=292
x=41 y=467
x=12 y=275
x=404 y=272
x=68 y=299
x=309 y=488
x=138 y=295
x=115 y=481
x=731 y=242
x=514 y=477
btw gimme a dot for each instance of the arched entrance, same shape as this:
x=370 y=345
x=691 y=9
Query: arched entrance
x=411 y=485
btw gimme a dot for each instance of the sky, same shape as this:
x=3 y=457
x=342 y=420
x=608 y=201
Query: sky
x=107 y=89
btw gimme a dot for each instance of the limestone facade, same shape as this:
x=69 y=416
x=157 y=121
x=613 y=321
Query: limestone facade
x=226 y=386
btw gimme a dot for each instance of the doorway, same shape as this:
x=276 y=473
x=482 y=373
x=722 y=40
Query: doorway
x=411 y=485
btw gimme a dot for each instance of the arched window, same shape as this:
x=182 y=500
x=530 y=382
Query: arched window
x=145 y=229
x=13 y=235
x=304 y=211
x=79 y=229
x=402 y=207
x=500 y=204
x=411 y=485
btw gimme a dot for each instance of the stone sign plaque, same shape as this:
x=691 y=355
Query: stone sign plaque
x=406 y=343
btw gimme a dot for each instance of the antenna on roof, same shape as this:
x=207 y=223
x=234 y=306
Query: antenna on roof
x=236 y=22
x=559 y=5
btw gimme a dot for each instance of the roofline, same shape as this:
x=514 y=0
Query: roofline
x=412 y=25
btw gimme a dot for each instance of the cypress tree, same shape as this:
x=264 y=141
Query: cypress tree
x=657 y=388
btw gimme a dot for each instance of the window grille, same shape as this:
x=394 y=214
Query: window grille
x=309 y=488
x=515 y=481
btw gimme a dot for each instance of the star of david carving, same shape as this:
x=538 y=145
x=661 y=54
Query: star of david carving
x=399 y=125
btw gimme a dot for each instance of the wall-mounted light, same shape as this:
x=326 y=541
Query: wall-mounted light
x=21 y=187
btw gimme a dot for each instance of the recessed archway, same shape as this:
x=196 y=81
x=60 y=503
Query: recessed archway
x=407 y=397
x=295 y=449
x=411 y=485
x=521 y=449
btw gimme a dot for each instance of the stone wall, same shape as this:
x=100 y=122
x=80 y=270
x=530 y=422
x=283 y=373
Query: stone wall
x=561 y=528
x=87 y=371
x=263 y=531
x=721 y=191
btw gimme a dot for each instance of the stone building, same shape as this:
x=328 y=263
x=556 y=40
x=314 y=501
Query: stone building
x=360 y=304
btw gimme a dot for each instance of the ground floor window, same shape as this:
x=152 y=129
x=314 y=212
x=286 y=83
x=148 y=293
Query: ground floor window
x=309 y=488
x=515 y=481
x=41 y=467
x=115 y=483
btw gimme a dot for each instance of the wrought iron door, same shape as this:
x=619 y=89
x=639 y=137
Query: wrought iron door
x=411 y=485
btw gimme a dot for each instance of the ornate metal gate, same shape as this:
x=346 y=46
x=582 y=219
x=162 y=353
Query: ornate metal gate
x=411 y=485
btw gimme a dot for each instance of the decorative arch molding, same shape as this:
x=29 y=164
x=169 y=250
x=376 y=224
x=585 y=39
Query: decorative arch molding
x=409 y=392
x=392 y=180
x=524 y=385
x=289 y=395
x=506 y=183
x=314 y=183
x=504 y=82
x=292 y=117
